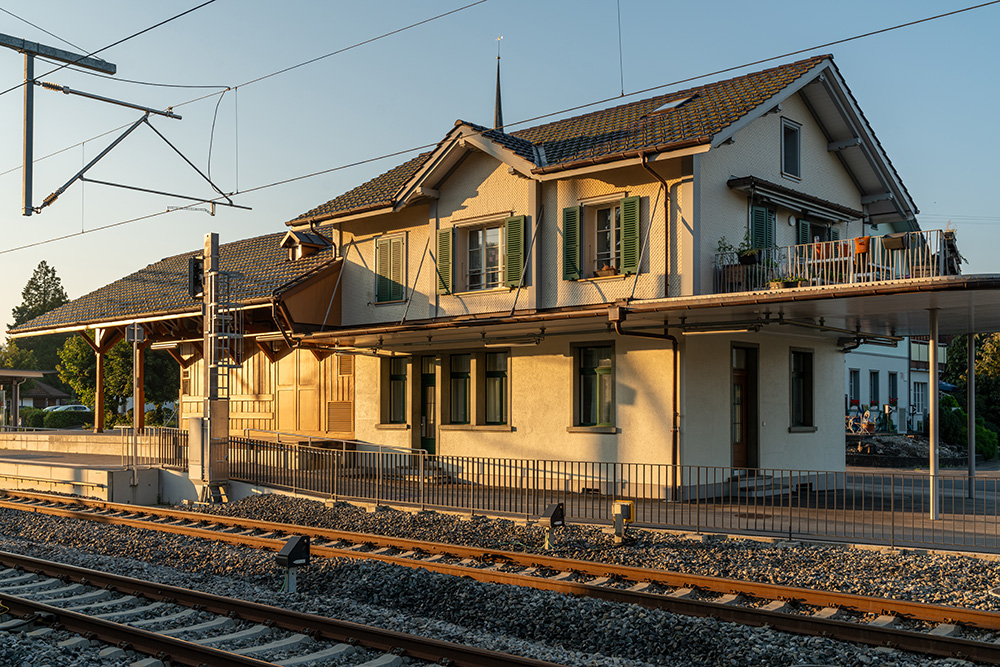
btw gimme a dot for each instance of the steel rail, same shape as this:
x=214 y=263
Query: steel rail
x=163 y=647
x=317 y=626
x=914 y=610
x=847 y=631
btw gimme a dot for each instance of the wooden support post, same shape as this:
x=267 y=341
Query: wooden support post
x=139 y=404
x=99 y=389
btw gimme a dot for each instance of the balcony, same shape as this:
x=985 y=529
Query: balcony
x=858 y=260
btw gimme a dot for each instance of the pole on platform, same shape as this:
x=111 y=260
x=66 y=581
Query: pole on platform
x=933 y=421
x=971 y=409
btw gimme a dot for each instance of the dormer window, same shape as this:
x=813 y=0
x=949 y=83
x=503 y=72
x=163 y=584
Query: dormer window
x=791 y=149
x=303 y=244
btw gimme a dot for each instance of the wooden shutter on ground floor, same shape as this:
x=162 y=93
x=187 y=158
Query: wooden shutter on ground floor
x=571 y=243
x=444 y=252
x=631 y=248
x=513 y=263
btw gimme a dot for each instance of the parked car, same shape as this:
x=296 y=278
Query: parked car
x=71 y=408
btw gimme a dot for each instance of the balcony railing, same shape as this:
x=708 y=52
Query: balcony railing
x=858 y=260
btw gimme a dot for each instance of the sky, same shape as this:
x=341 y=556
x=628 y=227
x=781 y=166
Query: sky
x=927 y=90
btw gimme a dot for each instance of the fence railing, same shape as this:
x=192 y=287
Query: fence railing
x=155 y=445
x=862 y=260
x=887 y=508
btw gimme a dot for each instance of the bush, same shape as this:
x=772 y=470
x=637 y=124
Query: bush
x=954 y=426
x=31 y=417
x=68 y=419
x=986 y=440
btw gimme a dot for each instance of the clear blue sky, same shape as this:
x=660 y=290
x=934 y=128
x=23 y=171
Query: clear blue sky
x=929 y=92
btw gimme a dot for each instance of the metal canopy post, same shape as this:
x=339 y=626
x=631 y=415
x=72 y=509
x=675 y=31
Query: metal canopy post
x=971 y=408
x=29 y=129
x=933 y=421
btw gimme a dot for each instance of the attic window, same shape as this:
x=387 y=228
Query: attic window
x=303 y=244
x=672 y=104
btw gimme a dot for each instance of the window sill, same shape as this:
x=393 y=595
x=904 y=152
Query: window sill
x=388 y=303
x=477 y=427
x=802 y=429
x=392 y=427
x=611 y=430
x=791 y=177
x=491 y=290
x=617 y=276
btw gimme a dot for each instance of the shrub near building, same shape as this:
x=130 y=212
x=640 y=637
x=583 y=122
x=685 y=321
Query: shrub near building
x=68 y=419
x=955 y=428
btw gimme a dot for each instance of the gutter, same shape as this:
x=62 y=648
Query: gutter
x=624 y=155
x=323 y=217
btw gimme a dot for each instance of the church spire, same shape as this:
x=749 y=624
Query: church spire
x=498 y=110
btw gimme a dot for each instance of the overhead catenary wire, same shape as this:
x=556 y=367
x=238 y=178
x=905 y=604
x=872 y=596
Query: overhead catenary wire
x=252 y=81
x=532 y=119
x=116 y=43
x=38 y=27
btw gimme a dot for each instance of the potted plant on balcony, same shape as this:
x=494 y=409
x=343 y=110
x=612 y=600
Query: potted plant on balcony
x=746 y=254
x=787 y=282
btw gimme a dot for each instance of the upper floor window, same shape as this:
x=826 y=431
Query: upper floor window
x=873 y=384
x=471 y=258
x=601 y=239
x=485 y=261
x=608 y=244
x=389 y=269
x=854 y=387
x=791 y=148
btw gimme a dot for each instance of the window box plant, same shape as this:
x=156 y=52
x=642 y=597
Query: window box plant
x=786 y=282
x=606 y=270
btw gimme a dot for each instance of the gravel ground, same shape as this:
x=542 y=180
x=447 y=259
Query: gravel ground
x=567 y=630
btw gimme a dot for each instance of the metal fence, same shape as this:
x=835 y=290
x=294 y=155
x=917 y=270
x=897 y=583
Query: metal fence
x=154 y=445
x=872 y=507
x=862 y=260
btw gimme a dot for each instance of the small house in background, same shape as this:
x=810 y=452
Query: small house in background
x=672 y=280
x=41 y=395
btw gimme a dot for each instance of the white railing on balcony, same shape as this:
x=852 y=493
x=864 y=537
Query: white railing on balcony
x=856 y=260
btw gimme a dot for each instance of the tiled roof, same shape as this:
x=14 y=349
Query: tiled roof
x=710 y=109
x=379 y=190
x=608 y=132
x=260 y=264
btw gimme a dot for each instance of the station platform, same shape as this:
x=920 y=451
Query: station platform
x=85 y=464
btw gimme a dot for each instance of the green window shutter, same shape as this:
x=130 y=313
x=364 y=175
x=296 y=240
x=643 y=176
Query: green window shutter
x=803 y=232
x=444 y=244
x=513 y=262
x=761 y=227
x=834 y=234
x=396 y=283
x=631 y=208
x=571 y=243
x=381 y=270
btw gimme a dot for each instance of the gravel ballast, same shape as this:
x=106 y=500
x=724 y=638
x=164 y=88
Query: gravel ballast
x=563 y=629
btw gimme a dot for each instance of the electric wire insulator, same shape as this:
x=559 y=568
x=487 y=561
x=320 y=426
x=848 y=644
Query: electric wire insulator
x=53 y=86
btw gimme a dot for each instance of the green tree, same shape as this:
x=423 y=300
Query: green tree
x=14 y=356
x=78 y=369
x=42 y=293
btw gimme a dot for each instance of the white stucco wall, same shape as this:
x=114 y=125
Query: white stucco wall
x=756 y=151
x=885 y=360
x=707 y=389
x=542 y=381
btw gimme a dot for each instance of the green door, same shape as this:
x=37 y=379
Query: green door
x=428 y=403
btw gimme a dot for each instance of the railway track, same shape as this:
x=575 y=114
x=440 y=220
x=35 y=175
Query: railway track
x=912 y=626
x=186 y=627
